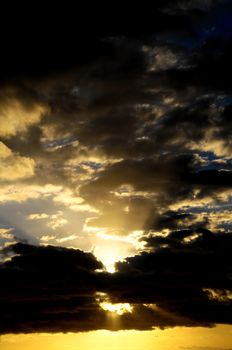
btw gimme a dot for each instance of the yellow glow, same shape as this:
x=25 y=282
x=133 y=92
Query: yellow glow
x=109 y=262
x=111 y=246
x=176 y=338
x=21 y=192
x=110 y=267
x=118 y=309
x=38 y=216
x=114 y=308
x=14 y=166
x=15 y=117
x=108 y=255
x=221 y=295
x=191 y=238
x=6 y=233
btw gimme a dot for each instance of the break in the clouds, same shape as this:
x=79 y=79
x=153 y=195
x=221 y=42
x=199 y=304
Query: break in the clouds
x=119 y=144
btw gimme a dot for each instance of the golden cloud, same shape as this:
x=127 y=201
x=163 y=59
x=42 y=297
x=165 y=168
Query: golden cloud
x=13 y=166
x=16 y=116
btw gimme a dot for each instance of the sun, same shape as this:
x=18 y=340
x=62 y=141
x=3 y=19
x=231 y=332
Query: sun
x=107 y=257
x=111 y=248
x=109 y=254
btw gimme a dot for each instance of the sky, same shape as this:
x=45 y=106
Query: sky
x=115 y=178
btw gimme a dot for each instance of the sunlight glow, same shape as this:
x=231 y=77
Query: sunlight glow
x=118 y=309
x=173 y=338
x=110 y=247
x=109 y=253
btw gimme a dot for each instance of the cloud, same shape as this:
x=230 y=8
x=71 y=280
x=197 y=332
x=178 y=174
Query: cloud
x=38 y=216
x=185 y=5
x=57 y=292
x=45 y=284
x=174 y=273
x=21 y=192
x=5 y=233
x=183 y=279
x=14 y=167
x=18 y=111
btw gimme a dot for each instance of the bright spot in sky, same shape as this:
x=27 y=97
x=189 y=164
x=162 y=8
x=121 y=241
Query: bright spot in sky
x=109 y=264
x=119 y=309
x=108 y=258
x=109 y=253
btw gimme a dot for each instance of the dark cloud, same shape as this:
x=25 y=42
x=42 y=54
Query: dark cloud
x=72 y=37
x=44 y=286
x=165 y=181
x=188 y=273
x=169 y=220
x=184 y=279
x=51 y=289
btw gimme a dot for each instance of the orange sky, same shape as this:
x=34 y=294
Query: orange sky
x=217 y=338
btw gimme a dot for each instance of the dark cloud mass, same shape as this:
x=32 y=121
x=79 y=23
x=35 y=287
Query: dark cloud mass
x=183 y=279
x=116 y=131
x=188 y=273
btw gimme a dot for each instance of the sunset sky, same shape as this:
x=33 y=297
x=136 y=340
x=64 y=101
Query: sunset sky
x=116 y=179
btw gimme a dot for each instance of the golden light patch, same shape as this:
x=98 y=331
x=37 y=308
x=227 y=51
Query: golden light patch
x=109 y=252
x=16 y=117
x=13 y=166
x=21 y=192
x=119 y=309
x=38 y=216
x=6 y=233
x=111 y=245
x=65 y=239
x=108 y=257
x=191 y=238
x=47 y=238
x=221 y=295
x=72 y=201
x=114 y=308
x=57 y=220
